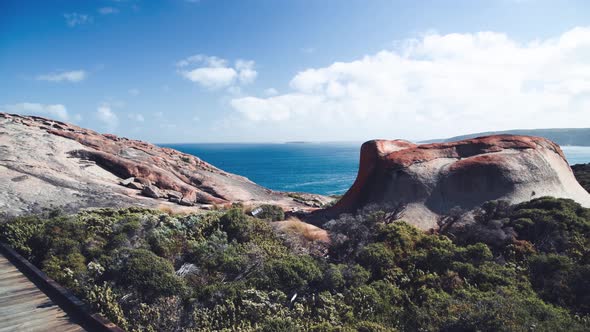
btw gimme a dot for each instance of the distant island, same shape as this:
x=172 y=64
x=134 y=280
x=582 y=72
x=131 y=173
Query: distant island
x=561 y=136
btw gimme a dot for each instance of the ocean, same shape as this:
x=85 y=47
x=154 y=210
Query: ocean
x=321 y=168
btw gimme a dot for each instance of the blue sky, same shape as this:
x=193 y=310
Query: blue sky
x=278 y=70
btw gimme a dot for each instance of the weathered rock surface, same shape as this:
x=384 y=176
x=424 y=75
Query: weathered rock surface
x=152 y=191
x=127 y=181
x=136 y=186
x=431 y=179
x=174 y=194
x=47 y=163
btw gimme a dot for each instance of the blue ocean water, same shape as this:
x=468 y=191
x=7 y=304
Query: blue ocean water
x=321 y=168
x=577 y=154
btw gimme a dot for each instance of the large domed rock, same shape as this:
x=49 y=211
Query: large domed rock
x=46 y=163
x=431 y=179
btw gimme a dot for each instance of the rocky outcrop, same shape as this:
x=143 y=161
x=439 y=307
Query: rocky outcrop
x=47 y=163
x=427 y=181
x=151 y=191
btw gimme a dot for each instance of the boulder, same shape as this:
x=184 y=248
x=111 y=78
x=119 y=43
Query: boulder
x=143 y=181
x=151 y=191
x=127 y=181
x=135 y=185
x=186 y=202
x=174 y=194
x=428 y=181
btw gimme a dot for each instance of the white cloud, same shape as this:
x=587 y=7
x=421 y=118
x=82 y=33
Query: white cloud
x=108 y=10
x=70 y=76
x=58 y=111
x=73 y=19
x=105 y=114
x=213 y=72
x=210 y=61
x=438 y=85
x=246 y=72
x=212 y=77
x=134 y=92
x=136 y=117
x=271 y=92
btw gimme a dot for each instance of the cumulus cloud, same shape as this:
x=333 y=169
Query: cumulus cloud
x=108 y=10
x=212 y=77
x=105 y=114
x=69 y=76
x=213 y=72
x=246 y=72
x=438 y=85
x=58 y=111
x=73 y=19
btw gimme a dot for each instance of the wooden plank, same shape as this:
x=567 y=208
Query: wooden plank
x=24 y=307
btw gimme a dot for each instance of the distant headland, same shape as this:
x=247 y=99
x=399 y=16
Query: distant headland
x=561 y=136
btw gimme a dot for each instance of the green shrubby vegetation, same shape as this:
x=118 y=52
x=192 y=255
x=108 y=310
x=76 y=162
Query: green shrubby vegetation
x=582 y=173
x=271 y=212
x=515 y=268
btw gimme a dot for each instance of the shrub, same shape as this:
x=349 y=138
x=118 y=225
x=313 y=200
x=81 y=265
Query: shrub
x=280 y=325
x=67 y=270
x=18 y=233
x=104 y=300
x=148 y=275
x=289 y=274
x=333 y=278
x=378 y=258
x=522 y=267
x=235 y=224
x=271 y=212
x=582 y=173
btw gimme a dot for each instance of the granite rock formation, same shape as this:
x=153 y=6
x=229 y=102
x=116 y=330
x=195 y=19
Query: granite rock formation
x=429 y=180
x=46 y=163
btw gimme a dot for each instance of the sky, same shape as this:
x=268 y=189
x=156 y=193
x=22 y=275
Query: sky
x=283 y=70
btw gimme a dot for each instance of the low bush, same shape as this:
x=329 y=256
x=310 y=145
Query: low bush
x=517 y=268
x=582 y=173
x=270 y=212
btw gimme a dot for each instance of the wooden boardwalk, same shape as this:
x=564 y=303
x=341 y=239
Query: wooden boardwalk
x=24 y=307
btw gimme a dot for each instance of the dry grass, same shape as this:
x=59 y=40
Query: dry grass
x=173 y=210
x=166 y=209
x=310 y=232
